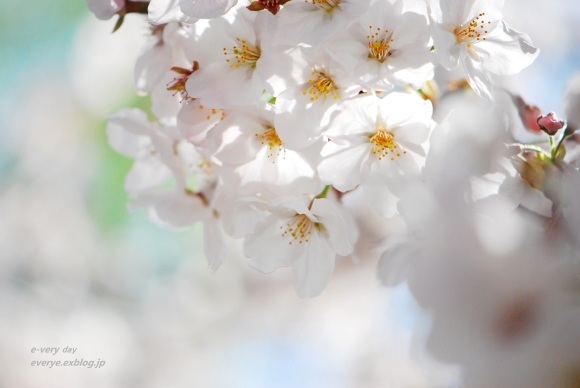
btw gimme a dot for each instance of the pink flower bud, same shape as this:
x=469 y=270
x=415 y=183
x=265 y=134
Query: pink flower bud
x=550 y=123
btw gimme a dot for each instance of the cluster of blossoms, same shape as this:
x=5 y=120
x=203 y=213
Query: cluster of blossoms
x=317 y=130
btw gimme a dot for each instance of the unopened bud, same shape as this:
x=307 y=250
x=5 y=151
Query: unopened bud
x=550 y=123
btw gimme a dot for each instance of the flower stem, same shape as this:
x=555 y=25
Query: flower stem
x=561 y=141
x=324 y=192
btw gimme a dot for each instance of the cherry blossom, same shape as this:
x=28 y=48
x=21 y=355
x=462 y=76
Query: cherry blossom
x=248 y=145
x=306 y=235
x=386 y=46
x=297 y=129
x=372 y=138
x=310 y=94
x=234 y=64
x=158 y=179
x=472 y=33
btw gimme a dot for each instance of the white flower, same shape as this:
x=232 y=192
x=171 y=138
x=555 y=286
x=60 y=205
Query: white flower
x=306 y=235
x=373 y=140
x=158 y=180
x=248 y=145
x=131 y=134
x=472 y=33
x=235 y=60
x=156 y=59
x=386 y=47
x=105 y=9
x=313 y=88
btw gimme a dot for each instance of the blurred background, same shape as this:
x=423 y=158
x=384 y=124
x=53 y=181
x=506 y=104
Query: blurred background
x=78 y=270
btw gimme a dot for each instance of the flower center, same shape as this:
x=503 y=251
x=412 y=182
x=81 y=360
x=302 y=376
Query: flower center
x=270 y=139
x=321 y=85
x=299 y=229
x=379 y=44
x=474 y=31
x=384 y=145
x=243 y=54
x=326 y=5
x=178 y=83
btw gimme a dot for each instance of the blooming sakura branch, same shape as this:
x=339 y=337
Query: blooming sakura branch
x=301 y=128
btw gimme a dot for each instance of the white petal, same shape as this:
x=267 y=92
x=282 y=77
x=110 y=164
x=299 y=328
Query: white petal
x=507 y=51
x=206 y=9
x=455 y=11
x=383 y=201
x=340 y=228
x=151 y=67
x=236 y=139
x=167 y=11
x=172 y=208
x=267 y=249
x=134 y=121
x=146 y=174
x=126 y=142
x=477 y=78
x=343 y=166
x=242 y=215
x=219 y=86
x=446 y=47
x=313 y=271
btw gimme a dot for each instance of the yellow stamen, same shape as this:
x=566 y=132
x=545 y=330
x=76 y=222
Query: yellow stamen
x=379 y=44
x=243 y=55
x=326 y=5
x=321 y=85
x=299 y=229
x=272 y=141
x=384 y=145
x=474 y=31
